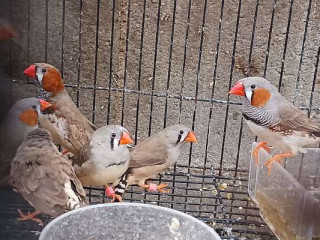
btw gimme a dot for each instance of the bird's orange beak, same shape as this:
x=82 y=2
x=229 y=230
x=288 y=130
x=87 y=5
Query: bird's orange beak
x=30 y=71
x=191 y=137
x=125 y=138
x=238 y=89
x=44 y=104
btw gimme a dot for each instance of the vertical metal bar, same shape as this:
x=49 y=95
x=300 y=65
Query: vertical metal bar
x=285 y=45
x=96 y=62
x=139 y=73
x=140 y=70
x=62 y=37
x=111 y=57
x=80 y=51
x=196 y=90
x=314 y=78
x=125 y=63
x=302 y=51
x=230 y=81
x=241 y=124
x=169 y=70
x=215 y=66
x=182 y=86
x=46 y=39
x=170 y=62
x=28 y=38
x=269 y=39
x=154 y=67
x=184 y=59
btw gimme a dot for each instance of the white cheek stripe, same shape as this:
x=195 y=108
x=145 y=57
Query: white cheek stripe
x=40 y=76
x=249 y=94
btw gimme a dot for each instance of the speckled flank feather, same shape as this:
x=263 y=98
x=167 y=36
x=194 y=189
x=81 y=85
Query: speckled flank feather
x=44 y=177
x=66 y=123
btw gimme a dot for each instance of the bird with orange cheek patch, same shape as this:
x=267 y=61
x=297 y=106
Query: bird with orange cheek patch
x=65 y=122
x=21 y=119
x=275 y=120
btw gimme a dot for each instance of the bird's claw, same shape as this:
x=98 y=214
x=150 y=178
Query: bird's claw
x=277 y=158
x=116 y=196
x=29 y=216
x=255 y=152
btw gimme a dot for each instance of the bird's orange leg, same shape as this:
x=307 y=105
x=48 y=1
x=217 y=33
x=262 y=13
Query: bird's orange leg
x=152 y=187
x=111 y=194
x=65 y=152
x=278 y=158
x=29 y=216
x=255 y=152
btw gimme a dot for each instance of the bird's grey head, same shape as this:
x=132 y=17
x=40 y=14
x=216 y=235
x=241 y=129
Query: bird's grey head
x=114 y=136
x=177 y=134
x=257 y=91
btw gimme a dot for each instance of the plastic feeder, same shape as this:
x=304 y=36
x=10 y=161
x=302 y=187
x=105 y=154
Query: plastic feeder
x=288 y=199
x=126 y=221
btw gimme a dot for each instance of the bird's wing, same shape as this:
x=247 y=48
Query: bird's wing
x=151 y=152
x=291 y=118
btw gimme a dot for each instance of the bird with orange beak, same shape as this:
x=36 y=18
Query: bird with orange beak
x=21 y=119
x=154 y=155
x=274 y=119
x=105 y=158
x=67 y=125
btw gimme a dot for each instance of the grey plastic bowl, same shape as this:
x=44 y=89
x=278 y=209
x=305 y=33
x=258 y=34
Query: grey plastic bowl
x=126 y=221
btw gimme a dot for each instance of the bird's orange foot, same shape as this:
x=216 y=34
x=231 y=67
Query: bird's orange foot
x=29 y=216
x=65 y=152
x=111 y=194
x=255 y=152
x=277 y=158
x=116 y=196
x=152 y=187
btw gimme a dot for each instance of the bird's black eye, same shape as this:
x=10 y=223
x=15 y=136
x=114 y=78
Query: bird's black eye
x=113 y=135
x=34 y=106
x=181 y=132
x=43 y=70
x=253 y=86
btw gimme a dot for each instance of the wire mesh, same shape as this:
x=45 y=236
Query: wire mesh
x=148 y=64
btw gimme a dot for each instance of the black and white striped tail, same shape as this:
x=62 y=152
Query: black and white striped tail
x=122 y=185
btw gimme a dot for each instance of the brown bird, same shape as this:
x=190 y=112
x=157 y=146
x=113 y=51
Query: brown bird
x=64 y=121
x=44 y=177
x=105 y=158
x=274 y=119
x=20 y=120
x=154 y=155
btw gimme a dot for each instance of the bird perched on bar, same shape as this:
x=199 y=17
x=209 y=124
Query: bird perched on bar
x=64 y=121
x=154 y=155
x=274 y=119
x=105 y=158
x=16 y=124
x=44 y=177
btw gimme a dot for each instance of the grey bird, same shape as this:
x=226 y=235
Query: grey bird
x=105 y=158
x=274 y=119
x=44 y=177
x=154 y=155
x=21 y=119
